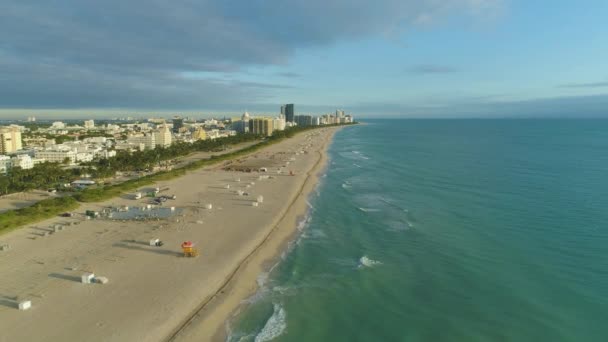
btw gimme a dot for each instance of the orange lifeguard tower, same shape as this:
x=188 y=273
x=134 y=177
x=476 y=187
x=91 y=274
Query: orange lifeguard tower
x=189 y=250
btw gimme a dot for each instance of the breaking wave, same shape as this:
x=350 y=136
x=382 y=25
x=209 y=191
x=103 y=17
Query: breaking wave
x=275 y=326
x=367 y=262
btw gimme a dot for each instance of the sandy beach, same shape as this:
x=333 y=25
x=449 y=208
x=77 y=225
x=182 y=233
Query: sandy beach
x=154 y=293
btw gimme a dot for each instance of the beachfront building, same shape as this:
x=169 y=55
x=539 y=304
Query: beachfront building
x=10 y=139
x=162 y=136
x=289 y=112
x=57 y=156
x=304 y=120
x=261 y=126
x=278 y=124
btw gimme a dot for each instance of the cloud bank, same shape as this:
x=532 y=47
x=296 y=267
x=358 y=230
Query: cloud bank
x=138 y=54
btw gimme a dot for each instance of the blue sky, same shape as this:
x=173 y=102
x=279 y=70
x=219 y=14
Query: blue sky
x=425 y=58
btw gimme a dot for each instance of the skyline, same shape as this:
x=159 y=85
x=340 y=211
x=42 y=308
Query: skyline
x=458 y=58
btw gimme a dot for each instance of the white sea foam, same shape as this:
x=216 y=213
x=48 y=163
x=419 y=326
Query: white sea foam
x=275 y=326
x=309 y=205
x=357 y=165
x=364 y=261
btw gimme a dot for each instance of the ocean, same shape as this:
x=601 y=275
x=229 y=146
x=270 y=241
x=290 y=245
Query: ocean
x=447 y=230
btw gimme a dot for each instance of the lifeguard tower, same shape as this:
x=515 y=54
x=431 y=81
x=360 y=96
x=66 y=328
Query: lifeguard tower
x=189 y=249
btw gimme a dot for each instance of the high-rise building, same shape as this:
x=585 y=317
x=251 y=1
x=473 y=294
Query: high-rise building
x=289 y=112
x=88 y=124
x=304 y=120
x=283 y=110
x=10 y=140
x=262 y=126
x=178 y=123
x=162 y=136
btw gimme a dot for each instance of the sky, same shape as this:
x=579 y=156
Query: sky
x=392 y=58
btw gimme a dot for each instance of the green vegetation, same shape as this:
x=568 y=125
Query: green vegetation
x=144 y=160
x=42 y=210
x=42 y=176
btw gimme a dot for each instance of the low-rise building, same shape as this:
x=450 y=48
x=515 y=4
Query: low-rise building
x=5 y=164
x=57 y=156
x=23 y=161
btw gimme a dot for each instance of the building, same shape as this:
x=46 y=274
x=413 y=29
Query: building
x=5 y=164
x=178 y=123
x=148 y=141
x=199 y=134
x=289 y=112
x=10 y=140
x=89 y=124
x=278 y=124
x=304 y=120
x=262 y=126
x=23 y=161
x=162 y=136
x=57 y=156
x=57 y=125
x=241 y=125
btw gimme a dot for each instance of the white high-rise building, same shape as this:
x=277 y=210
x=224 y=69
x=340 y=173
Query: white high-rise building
x=279 y=123
x=88 y=124
x=163 y=136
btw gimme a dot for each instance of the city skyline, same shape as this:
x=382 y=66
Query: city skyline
x=460 y=58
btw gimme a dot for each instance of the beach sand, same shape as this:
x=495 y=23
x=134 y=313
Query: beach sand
x=154 y=293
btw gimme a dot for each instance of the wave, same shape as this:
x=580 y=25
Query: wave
x=393 y=205
x=357 y=165
x=275 y=326
x=369 y=210
x=364 y=261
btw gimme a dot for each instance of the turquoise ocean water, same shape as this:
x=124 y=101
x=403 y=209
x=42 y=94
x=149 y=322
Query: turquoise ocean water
x=448 y=230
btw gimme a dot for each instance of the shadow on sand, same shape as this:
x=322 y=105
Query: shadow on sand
x=65 y=277
x=151 y=249
x=9 y=301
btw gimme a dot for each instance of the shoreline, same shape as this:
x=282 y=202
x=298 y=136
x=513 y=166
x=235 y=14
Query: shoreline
x=208 y=322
